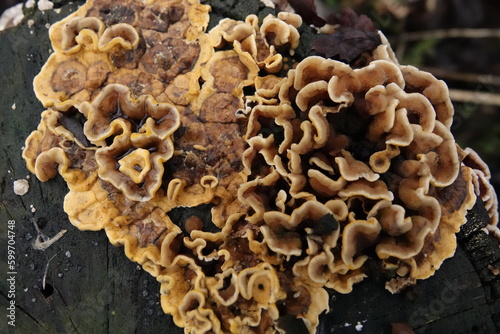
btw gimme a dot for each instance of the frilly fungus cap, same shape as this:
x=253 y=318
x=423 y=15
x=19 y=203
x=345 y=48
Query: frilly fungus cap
x=311 y=168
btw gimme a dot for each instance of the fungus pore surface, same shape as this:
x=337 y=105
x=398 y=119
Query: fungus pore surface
x=309 y=170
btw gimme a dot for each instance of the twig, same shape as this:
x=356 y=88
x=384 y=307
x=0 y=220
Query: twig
x=450 y=33
x=461 y=95
x=42 y=242
x=47 y=270
x=405 y=37
x=484 y=79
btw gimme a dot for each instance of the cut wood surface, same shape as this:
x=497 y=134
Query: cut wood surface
x=90 y=286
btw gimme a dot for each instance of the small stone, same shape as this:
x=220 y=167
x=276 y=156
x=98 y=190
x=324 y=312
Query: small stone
x=68 y=254
x=359 y=327
x=45 y=5
x=21 y=187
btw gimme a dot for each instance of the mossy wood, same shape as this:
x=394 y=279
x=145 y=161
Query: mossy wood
x=82 y=284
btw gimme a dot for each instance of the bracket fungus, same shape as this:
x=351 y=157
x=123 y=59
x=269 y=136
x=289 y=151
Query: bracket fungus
x=308 y=168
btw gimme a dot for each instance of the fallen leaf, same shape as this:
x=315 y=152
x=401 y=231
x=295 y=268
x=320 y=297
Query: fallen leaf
x=348 y=18
x=346 y=43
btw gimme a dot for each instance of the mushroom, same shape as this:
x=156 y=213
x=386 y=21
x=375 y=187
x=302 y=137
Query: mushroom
x=121 y=35
x=76 y=33
x=140 y=134
x=169 y=58
x=69 y=77
x=246 y=180
x=481 y=176
x=63 y=83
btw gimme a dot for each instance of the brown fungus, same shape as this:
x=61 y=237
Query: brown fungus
x=395 y=148
x=63 y=81
x=133 y=139
x=297 y=172
x=76 y=33
x=481 y=176
x=120 y=35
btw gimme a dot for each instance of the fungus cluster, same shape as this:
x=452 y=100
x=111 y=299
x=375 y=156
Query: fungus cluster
x=311 y=170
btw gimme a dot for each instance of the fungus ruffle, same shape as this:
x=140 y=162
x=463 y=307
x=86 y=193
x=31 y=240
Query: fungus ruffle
x=359 y=105
x=305 y=168
x=134 y=135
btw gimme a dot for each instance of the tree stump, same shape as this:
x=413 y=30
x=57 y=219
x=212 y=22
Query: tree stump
x=82 y=284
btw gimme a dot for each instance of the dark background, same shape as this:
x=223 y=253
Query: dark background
x=4 y=4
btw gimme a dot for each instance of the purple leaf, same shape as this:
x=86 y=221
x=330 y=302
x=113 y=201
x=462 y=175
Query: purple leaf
x=307 y=10
x=346 y=43
x=353 y=36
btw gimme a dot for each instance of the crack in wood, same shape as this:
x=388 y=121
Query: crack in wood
x=26 y=313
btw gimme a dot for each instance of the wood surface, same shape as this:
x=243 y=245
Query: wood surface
x=91 y=287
